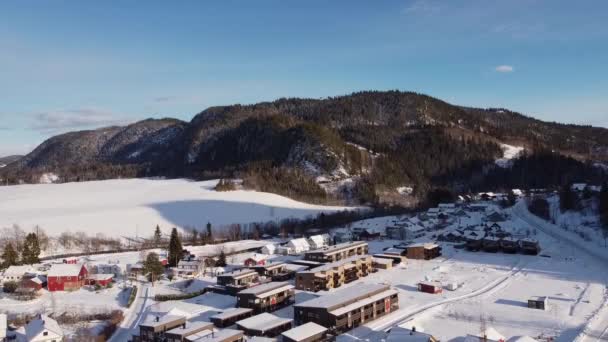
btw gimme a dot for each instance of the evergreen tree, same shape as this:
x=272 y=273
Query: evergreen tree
x=153 y=266
x=157 y=236
x=175 y=248
x=34 y=249
x=221 y=260
x=209 y=233
x=26 y=252
x=9 y=256
x=567 y=198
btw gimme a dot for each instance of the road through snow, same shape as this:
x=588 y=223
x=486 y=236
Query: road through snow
x=134 y=315
x=596 y=328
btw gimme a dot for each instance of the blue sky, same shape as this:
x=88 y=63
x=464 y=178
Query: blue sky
x=70 y=65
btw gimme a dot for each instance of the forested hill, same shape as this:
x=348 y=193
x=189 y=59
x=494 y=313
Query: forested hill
x=367 y=145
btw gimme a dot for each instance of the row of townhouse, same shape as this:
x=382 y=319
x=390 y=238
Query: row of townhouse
x=334 y=274
x=337 y=252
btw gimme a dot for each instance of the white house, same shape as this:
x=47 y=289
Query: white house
x=269 y=249
x=108 y=269
x=318 y=241
x=43 y=329
x=414 y=232
x=16 y=273
x=187 y=268
x=298 y=246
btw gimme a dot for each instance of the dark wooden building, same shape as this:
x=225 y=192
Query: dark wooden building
x=345 y=309
x=430 y=287
x=238 y=280
x=267 y=297
x=529 y=246
x=337 y=252
x=156 y=329
x=423 y=251
x=231 y=316
x=180 y=334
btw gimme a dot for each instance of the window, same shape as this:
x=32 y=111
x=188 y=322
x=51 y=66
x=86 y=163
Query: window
x=46 y=333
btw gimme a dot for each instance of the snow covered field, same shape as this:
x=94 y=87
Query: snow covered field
x=135 y=206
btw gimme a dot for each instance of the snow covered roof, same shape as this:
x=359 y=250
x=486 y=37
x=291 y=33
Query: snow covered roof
x=18 y=270
x=216 y=335
x=414 y=229
x=267 y=289
x=231 y=313
x=343 y=296
x=362 y=302
x=258 y=257
x=300 y=243
x=192 y=328
x=101 y=276
x=446 y=205
x=491 y=334
x=304 y=331
x=64 y=270
x=383 y=261
x=426 y=245
x=263 y=322
x=399 y=334
x=332 y=265
x=43 y=323
x=318 y=240
x=239 y=273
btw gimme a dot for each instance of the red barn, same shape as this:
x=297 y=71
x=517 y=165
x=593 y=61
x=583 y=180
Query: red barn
x=66 y=277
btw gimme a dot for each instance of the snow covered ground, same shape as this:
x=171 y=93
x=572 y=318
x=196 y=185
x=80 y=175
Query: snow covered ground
x=509 y=152
x=135 y=206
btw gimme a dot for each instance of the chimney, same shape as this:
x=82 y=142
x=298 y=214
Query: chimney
x=413 y=330
x=157 y=318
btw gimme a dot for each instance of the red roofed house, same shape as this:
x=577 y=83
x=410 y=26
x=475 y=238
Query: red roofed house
x=256 y=260
x=101 y=279
x=66 y=277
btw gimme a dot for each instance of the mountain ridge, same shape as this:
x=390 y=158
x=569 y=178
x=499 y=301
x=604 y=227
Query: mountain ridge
x=368 y=136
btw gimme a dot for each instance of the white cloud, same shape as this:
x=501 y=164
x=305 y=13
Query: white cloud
x=504 y=68
x=81 y=118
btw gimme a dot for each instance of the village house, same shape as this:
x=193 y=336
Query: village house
x=382 y=263
x=266 y=297
x=188 y=332
x=265 y=325
x=308 y=332
x=473 y=241
x=238 y=280
x=99 y=279
x=414 y=232
x=66 y=277
x=155 y=329
x=224 y=335
x=36 y=283
x=423 y=251
x=231 y=316
x=135 y=270
x=277 y=271
x=269 y=249
x=489 y=335
x=255 y=260
x=490 y=244
x=298 y=246
x=334 y=274
x=16 y=273
x=114 y=269
x=188 y=268
x=318 y=241
x=345 y=309
x=42 y=329
x=337 y=252
x=529 y=246
x=508 y=245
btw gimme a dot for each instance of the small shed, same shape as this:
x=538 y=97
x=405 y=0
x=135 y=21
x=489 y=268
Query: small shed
x=538 y=302
x=100 y=279
x=269 y=249
x=380 y=263
x=430 y=287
